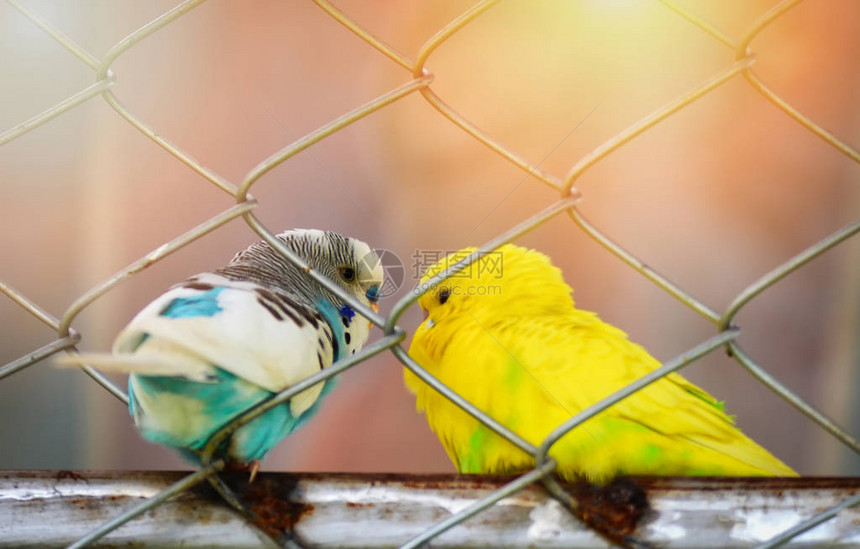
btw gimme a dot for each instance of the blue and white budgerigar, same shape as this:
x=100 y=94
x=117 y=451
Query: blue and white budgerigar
x=220 y=342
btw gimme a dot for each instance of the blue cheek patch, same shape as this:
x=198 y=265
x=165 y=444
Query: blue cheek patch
x=347 y=312
x=205 y=304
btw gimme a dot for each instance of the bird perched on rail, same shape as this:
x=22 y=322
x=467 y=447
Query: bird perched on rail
x=504 y=334
x=220 y=342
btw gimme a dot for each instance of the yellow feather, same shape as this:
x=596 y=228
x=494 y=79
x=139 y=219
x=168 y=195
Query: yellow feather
x=509 y=339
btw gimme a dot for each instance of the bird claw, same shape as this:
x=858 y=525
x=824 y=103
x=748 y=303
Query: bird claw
x=253 y=467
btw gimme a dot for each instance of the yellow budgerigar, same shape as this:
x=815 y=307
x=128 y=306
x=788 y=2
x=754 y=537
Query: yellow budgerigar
x=504 y=333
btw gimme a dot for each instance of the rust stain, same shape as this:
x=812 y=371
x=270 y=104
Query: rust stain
x=70 y=475
x=354 y=505
x=614 y=511
x=272 y=501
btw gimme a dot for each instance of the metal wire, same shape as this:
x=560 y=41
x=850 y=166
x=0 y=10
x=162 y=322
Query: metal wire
x=511 y=488
x=421 y=80
x=177 y=488
x=809 y=524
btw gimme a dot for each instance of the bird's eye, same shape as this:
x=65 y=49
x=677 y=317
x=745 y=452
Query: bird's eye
x=444 y=294
x=347 y=273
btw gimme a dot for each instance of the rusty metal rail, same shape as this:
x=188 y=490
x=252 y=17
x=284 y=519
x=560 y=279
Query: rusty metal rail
x=40 y=509
x=49 y=508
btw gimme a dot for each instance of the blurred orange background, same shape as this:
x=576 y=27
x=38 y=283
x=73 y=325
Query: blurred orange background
x=713 y=197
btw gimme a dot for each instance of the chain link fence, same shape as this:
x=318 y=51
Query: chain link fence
x=418 y=81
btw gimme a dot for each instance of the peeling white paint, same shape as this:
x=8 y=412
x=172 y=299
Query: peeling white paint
x=758 y=526
x=67 y=488
x=323 y=493
x=667 y=529
x=546 y=521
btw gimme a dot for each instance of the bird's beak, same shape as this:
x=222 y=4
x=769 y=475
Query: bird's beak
x=374 y=307
x=428 y=322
